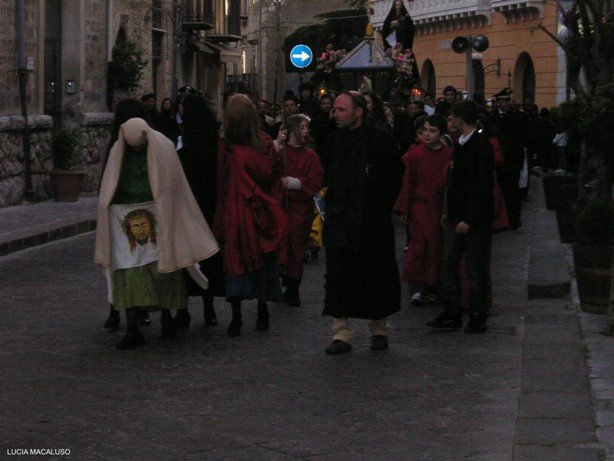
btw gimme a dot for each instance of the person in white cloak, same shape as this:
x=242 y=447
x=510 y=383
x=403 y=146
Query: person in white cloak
x=149 y=227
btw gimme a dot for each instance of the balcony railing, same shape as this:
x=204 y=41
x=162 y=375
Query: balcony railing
x=197 y=22
x=438 y=12
x=429 y=11
x=514 y=9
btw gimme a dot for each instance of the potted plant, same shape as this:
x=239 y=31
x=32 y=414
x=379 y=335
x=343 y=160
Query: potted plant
x=125 y=69
x=592 y=254
x=66 y=178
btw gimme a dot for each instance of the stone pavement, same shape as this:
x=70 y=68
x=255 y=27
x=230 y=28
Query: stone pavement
x=538 y=386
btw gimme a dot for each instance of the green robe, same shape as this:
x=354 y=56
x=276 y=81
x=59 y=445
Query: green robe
x=143 y=286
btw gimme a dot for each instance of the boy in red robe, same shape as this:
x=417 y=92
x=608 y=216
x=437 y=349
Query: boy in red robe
x=301 y=181
x=420 y=205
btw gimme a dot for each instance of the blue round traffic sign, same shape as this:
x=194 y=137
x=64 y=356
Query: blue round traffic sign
x=301 y=56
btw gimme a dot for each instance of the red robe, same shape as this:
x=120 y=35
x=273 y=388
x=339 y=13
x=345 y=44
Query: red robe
x=304 y=164
x=249 y=222
x=421 y=199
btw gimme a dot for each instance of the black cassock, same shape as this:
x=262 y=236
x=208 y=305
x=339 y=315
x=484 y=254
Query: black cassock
x=364 y=177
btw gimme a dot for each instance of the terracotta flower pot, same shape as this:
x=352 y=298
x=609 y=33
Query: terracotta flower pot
x=66 y=185
x=559 y=189
x=592 y=264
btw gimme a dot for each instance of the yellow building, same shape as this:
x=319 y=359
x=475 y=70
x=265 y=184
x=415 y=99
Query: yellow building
x=520 y=55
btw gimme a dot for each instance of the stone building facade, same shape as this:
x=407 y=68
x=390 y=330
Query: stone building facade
x=68 y=46
x=265 y=25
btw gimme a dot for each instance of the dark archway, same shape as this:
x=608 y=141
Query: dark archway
x=429 y=81
x=53 y=60
x=524 y=79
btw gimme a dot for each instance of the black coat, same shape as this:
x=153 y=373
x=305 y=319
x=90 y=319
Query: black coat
x=364 y=177
x=514 y=135
x=470 y=185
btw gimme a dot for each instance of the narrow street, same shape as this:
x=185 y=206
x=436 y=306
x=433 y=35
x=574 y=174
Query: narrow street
x=272 y=395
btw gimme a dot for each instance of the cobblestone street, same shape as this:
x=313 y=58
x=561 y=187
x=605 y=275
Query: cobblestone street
x=276 y=395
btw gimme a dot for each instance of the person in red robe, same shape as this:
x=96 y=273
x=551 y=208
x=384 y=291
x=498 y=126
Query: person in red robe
x=301 y=180
x=420 y=204
x=249 y=224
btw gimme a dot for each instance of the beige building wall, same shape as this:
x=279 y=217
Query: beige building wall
x=512 y=37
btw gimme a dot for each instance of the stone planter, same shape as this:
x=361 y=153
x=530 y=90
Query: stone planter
x=566 y=215
x=558 y=189
x=66 y=185
x=592 y=264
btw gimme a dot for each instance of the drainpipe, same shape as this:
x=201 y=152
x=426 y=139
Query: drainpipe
x=111 y=30
x=23 y=78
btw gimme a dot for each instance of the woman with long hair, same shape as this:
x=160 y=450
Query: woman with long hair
x=301 y=180
x=249 y=223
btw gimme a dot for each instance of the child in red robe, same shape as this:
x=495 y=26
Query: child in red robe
x=420 y=204
x=301 y=180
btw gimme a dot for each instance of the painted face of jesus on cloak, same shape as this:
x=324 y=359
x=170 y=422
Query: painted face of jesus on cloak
x=140 y=229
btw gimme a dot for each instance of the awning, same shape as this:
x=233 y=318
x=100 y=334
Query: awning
x=227 y=53
x=200 y=46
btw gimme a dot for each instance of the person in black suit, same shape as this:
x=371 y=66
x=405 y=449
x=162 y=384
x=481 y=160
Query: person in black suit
x=467 y=223
x=513 y=133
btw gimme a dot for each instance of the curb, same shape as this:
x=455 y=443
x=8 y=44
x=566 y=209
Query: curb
x=52 y=235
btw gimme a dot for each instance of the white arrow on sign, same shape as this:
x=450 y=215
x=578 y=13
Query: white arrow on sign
x=303 y=56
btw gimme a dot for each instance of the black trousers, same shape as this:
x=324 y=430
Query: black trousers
x=508 y=181
x=475 y=245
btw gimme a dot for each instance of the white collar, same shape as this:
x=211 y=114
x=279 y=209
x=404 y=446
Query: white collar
x=463 y=139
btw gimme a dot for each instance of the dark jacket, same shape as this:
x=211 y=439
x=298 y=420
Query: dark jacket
x=470 y=185
x=514 y=135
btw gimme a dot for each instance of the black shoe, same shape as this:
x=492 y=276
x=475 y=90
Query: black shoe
x=182 y=319
x=234 y=329
x=144 y=318
x=262 y=321
x=210 y=319
x=338 y=347
x=379 y=342
x=514 y=225
x=433 y=300
x=169 y=328
x=112 y=322
x=416 y=299
x=477 y=324
x=130 y=341
x=447 y=320
x=291 y=298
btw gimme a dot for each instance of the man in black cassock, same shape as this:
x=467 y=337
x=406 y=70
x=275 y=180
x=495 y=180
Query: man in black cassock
x=363 y=178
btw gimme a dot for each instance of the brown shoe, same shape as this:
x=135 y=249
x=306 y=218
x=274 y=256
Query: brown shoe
x=338 y=347
x=379 y=342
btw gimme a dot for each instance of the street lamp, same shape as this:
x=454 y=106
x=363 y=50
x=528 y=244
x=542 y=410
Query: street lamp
x=466 y=45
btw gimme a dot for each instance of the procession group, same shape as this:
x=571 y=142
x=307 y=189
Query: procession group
x=189 y=206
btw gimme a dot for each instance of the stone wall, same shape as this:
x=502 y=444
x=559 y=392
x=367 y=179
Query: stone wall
x=12 y=178
x=95 y=133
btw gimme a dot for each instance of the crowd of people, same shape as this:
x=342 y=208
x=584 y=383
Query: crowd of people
x=193 y=206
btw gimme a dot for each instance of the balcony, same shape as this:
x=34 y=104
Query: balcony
x=196 y=22
x=518 y=10
x=438 y=14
